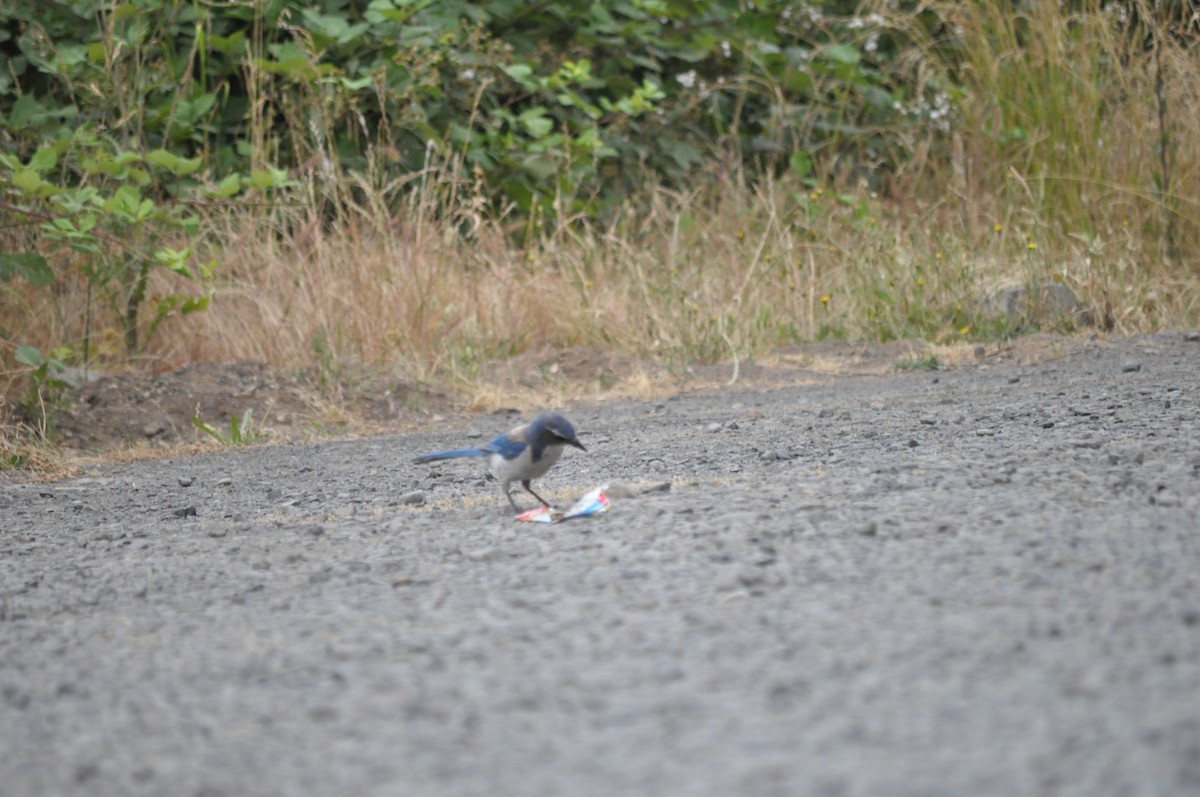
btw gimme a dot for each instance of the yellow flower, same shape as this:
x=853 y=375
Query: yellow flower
x=825 y=299
x=740 y=235
x=964 y=330
x=1031 y=245
x=998 y=227
x=920 y=282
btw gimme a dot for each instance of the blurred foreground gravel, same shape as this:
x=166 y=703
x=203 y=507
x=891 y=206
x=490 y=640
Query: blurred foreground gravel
x=979 y=581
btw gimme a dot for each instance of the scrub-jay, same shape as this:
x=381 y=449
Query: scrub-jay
x=521 y=455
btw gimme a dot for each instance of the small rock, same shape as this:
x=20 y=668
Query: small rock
x=713 y=427
x=274 y=494
x=187 y=511
x=1028 y=307
x=224 y=481
x=1192 y=337
x=751 y=578
x=314 y=529
x=218 y=532
x=985 y=432
x=913 y=444
x=1129 y=368
x=186 y=481
x=152 y=429
x=1166 y=498
x=413 y=498
x=869 y=530
x=662 y=487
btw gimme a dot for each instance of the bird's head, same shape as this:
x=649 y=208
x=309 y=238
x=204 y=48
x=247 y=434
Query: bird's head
x=554 y=429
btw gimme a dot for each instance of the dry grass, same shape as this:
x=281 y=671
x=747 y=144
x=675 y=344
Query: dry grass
x=1050 y=174
x=24 y=450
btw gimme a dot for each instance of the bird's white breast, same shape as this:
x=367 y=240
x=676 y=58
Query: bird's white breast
x=522 y=468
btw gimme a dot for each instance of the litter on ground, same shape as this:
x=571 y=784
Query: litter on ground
x=590 y=504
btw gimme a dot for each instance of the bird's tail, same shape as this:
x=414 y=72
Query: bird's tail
x=458 y=452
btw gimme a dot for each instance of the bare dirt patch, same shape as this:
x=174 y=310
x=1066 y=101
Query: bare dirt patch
x=152 y=411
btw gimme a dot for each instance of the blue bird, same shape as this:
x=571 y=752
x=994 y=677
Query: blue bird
x=522 y=455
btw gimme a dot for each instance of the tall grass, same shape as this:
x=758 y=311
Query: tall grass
x=1063 y=130
x=1051 y=171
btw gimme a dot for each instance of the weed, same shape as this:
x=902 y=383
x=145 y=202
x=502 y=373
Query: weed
x=241 y=431
x=928 y=363
x=46 y=395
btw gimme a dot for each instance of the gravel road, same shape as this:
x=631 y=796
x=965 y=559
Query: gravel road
x=975 y=581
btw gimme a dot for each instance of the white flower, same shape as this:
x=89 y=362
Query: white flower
x=687 y=79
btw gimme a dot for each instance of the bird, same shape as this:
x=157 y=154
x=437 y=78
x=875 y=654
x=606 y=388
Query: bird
x=522 y=454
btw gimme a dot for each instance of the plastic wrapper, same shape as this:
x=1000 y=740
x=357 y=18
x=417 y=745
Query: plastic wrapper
x=590 y=504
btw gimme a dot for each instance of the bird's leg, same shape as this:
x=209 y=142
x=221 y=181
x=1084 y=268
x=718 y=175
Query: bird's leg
x=529 y=489
x=508 y=495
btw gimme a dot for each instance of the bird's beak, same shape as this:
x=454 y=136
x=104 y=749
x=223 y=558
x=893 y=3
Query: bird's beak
x=577 y=444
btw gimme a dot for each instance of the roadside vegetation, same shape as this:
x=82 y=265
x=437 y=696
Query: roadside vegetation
x=349 y=184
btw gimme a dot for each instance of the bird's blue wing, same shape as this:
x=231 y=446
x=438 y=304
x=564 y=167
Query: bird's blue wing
x=507 y=446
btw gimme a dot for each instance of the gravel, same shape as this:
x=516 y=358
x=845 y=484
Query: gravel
x=981 y=580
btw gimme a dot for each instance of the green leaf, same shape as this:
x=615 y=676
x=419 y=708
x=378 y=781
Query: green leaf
x=33 y=267
x=228 y=187
x=44 y=160
x=175 y=260
x=193 y=304
x=843 y=54
x=233 y=44
x=29 y=355
x=535 y=122
x=541 y=167
x=801 y=164
x=27 y=180
x=684 y=154
x=522 y=73
x=24 y=111
x=125 y=202
x=180 y=167
x=263 y=179
x=208 y=430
